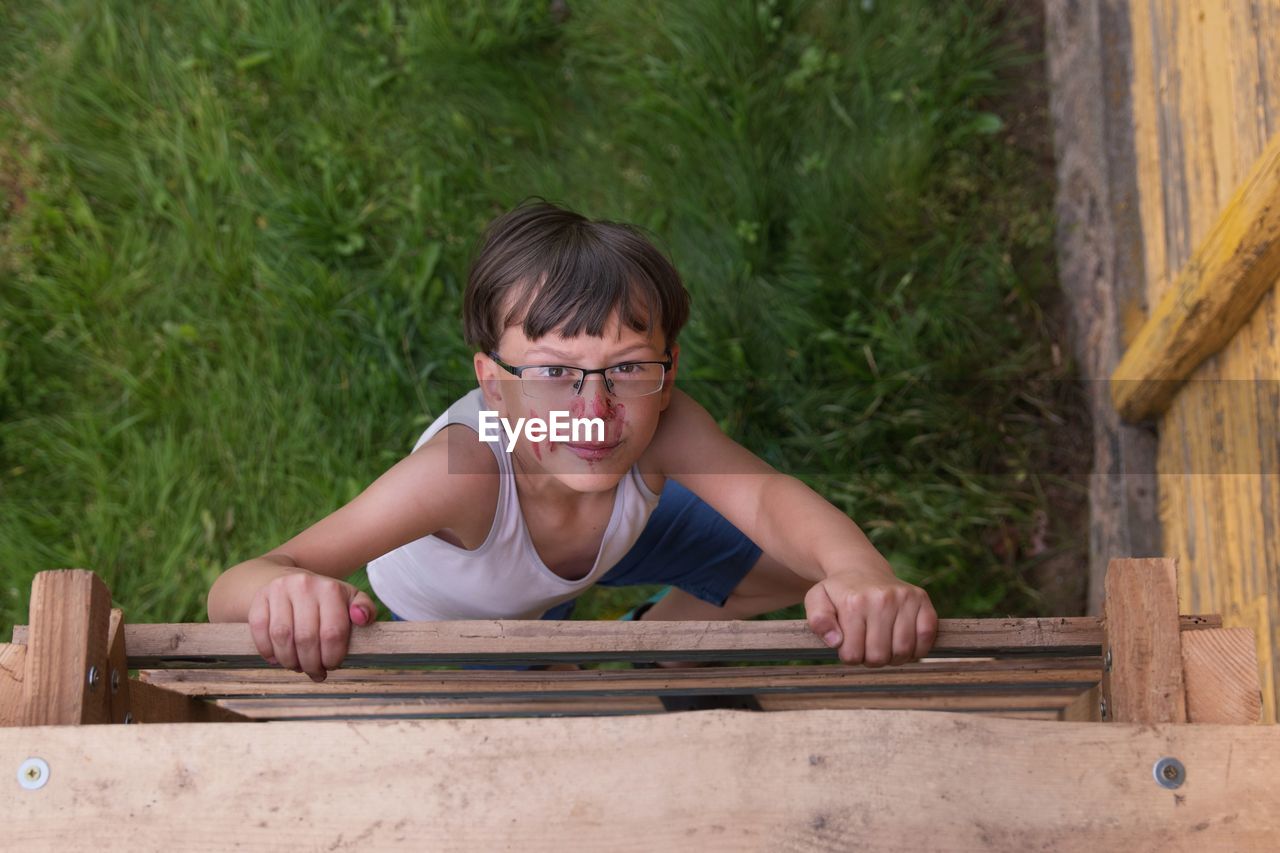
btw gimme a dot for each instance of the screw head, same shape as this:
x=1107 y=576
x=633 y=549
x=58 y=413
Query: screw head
x=1106 y=661
x=33 y=774
x=115 y=681
x=1102 y=708
x=128 y=717
x=1169 y=772
x=95 y=678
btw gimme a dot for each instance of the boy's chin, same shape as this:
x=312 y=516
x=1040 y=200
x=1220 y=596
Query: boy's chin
x=597 y=481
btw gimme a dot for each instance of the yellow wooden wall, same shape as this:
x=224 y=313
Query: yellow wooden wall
x=1206 y=98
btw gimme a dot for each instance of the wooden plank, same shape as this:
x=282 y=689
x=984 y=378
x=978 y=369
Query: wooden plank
x=70 y=612
x=1211 y=298
x=1220 y=668
x=993 y=676
x=330 y=708
x=13 y=671
x=1085 y=708
x=1258 y=618
x=121 y=711
x=325 y=708
x=1143 y=683
x=1247 y=108
x=186 y=645
x=1264 y=611
x=1030 y=714
x=1268 y=33
x=1044 y=705
x=1199 y=175
x=1219 y=492
x=1149 y=82
x=1171 y=168
x=981 y=686
x=712 y=780
x=153 y=704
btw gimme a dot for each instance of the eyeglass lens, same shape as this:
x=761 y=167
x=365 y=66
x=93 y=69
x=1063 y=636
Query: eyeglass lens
x=627 y=380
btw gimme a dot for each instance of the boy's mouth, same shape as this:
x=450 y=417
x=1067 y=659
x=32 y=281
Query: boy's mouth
x=592 y=450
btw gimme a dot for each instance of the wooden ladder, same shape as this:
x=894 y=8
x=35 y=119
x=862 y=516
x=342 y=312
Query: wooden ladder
x=986 y=743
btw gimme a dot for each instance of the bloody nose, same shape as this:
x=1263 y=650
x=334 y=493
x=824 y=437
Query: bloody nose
x=595 y=397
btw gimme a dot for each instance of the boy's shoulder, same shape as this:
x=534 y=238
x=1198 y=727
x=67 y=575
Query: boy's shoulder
x=463 y=471
x=683 y=427
x=684 y=412
x=457 y=451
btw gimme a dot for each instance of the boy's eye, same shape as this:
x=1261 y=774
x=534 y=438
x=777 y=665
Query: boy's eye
x=624 y=369
x=549 y=372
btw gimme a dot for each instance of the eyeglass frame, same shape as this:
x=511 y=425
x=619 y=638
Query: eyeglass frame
x=603 y=371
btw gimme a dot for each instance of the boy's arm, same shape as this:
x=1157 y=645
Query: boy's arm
x=424 y=492
x=298 y=606
x=876 y=617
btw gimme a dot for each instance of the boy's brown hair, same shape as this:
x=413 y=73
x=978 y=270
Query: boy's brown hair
x=587 y=269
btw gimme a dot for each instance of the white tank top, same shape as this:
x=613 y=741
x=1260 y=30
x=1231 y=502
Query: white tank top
x=430 y=579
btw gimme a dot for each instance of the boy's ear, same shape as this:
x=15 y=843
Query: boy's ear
x=669 y=383
x=487 y=378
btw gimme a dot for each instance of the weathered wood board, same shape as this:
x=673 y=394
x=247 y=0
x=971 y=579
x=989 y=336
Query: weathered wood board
x=1206 y=102
x=882 y=780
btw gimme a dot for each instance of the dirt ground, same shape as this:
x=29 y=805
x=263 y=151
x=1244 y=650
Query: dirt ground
x=1054 y=554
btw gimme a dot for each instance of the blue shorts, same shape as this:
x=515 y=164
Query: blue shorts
x=685 y=543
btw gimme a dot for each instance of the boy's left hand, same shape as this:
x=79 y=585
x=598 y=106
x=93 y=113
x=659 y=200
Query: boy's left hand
x=875 y=620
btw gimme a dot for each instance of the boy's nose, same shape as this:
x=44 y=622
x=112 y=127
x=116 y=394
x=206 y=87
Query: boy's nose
x=595 y=396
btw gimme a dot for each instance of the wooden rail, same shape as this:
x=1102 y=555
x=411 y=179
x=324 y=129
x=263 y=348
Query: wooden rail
x=710 y=781
x=188 y=645
x=929 y=753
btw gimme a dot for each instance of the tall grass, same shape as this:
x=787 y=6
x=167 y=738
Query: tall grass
x=236 y=237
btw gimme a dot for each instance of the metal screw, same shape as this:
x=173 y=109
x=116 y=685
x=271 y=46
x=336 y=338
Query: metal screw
x=128 y=717
x=1169 y=772
x=1102 y=708
x=94 y=678
x=115 y=681
x=33 y=774
x=1106 y=661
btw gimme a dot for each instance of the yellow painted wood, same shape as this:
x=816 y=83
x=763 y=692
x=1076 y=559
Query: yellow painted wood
x=1206 y=117
x=1214 y=294
x=1205 y=99
x=1147 y=84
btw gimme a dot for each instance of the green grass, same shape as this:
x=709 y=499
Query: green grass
x=236 y=236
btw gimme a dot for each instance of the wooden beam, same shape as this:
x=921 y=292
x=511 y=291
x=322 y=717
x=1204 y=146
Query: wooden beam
x=556 y=705
x=1213 y=295
x=1033 y=705
x=13 y=671
x=984 y=675
x=325 y=708
x=66 y=680
x=121 y=711
x=626 y=705
x=1085 y=708
x=710 y=780
x=978 y=686
x=185 y=645
x=152 y=704
x=1220 y=668
x=1143 y=683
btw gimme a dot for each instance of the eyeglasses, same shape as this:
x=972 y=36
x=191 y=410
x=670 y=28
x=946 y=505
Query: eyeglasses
x=628 y=379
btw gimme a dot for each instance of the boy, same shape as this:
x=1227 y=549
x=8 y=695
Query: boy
x=578 y=318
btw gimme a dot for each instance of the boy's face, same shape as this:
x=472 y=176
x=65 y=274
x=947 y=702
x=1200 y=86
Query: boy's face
x=629 y=422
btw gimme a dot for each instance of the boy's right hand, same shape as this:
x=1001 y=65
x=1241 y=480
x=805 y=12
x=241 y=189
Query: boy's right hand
x=302 y=620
